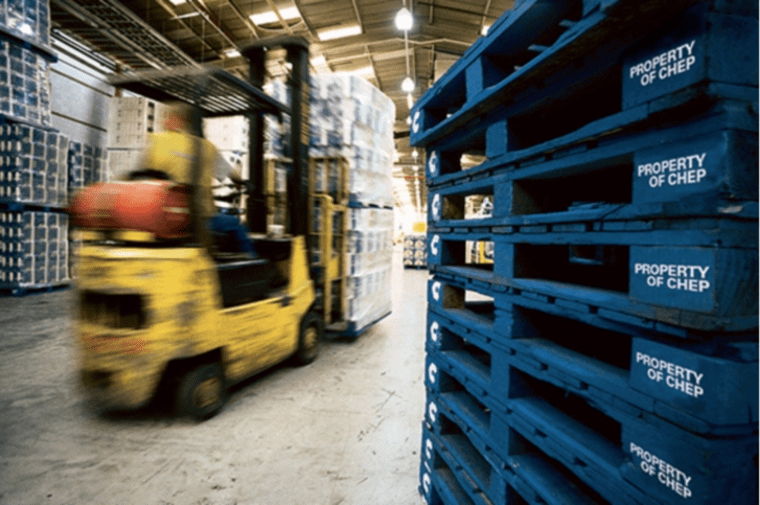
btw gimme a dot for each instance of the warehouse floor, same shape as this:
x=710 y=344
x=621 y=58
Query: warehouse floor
x=343 y=430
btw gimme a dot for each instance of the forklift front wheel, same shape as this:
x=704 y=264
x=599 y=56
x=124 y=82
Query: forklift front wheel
x=202 y=392
x=309 y=339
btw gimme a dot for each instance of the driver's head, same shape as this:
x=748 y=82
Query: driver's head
x=183 y=117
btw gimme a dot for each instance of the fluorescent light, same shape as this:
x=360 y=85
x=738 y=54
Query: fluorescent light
x=404 y=19
x=318 y=61
x=232 y=53
x=188 y=15
x=269 y=17
x=363 y=72
x=177 y=2
x=407 y=85
x=484 y=31
x=339 y=33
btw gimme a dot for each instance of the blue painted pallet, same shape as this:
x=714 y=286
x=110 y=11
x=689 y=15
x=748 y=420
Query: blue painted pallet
x=528 y=477
x=447 y=295
x=578 y=79
x=678 y=383
x=605 y=443
x=442 y=480
x=704 y=166
x=698 y=288
x=355 y=204
x=482 y=480
x=353 y=330
x=16 y=206
x=463 y=413
x=15 y=289
x=591 y=226
x=666 y=465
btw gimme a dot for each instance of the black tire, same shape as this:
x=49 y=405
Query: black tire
x=309 y=339
x=202 y=392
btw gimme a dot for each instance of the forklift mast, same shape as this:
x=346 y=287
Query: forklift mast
x=297 y=55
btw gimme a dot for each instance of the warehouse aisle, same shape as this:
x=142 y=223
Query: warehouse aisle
x=344 y=430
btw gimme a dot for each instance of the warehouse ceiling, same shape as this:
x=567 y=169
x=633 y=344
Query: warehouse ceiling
x=141 y=34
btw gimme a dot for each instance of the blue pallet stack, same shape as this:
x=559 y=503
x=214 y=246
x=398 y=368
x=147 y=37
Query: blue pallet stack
x=34 y=250
x=610 y=352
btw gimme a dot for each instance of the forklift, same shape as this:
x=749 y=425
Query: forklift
x=163 y=308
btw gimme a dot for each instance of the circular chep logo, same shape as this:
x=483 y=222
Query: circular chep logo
x=433 y=164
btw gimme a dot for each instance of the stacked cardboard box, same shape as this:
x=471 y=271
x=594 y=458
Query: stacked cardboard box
x=34 y=250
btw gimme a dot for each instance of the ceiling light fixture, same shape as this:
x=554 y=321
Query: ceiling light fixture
x=339 y=33
x=404 y=19
x=177 y=2
x=232 y=53
x=363 y=72
x=188 y=15
x=484 y=31
x=404 y=22
x=269 y=17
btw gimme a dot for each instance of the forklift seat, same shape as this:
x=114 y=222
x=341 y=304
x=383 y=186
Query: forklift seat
x=246 y=281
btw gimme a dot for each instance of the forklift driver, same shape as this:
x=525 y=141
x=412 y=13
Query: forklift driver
x=173 y=155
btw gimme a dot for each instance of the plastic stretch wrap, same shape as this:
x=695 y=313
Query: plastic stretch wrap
x=352 y=118
x=87 y=165
x=24 y=84
x=367 y=308
x=369 y=254
x=28 y=19
x=34 y=249
x=33 y=165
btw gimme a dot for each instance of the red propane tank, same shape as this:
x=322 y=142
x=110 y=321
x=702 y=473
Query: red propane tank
x=157 y=207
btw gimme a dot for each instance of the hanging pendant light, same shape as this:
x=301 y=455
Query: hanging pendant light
x=404 y=19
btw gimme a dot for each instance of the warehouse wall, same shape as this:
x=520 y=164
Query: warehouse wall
x=79 y=96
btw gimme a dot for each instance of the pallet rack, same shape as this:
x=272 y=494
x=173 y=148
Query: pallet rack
x=609 y=354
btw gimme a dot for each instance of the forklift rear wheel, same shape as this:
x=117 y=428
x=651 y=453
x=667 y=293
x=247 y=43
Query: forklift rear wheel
x=202 y=392
x=309 y=339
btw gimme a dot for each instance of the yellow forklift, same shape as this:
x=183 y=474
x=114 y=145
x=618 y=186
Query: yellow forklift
x=163 y=311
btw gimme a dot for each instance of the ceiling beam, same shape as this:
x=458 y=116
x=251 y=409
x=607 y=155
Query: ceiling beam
x=200 y=7
x=283 y=23
x=312 y=32
x=358 y=15
x=175 y=17
x=246 y=20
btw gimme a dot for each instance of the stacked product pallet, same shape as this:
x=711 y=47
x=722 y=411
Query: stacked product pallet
x=34 y=249
x=130 y=121
x=352 y=119
x=415 y=251
x=609 y=354
x=369 y=251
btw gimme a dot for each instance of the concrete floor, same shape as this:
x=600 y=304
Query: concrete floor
x=343 y=430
